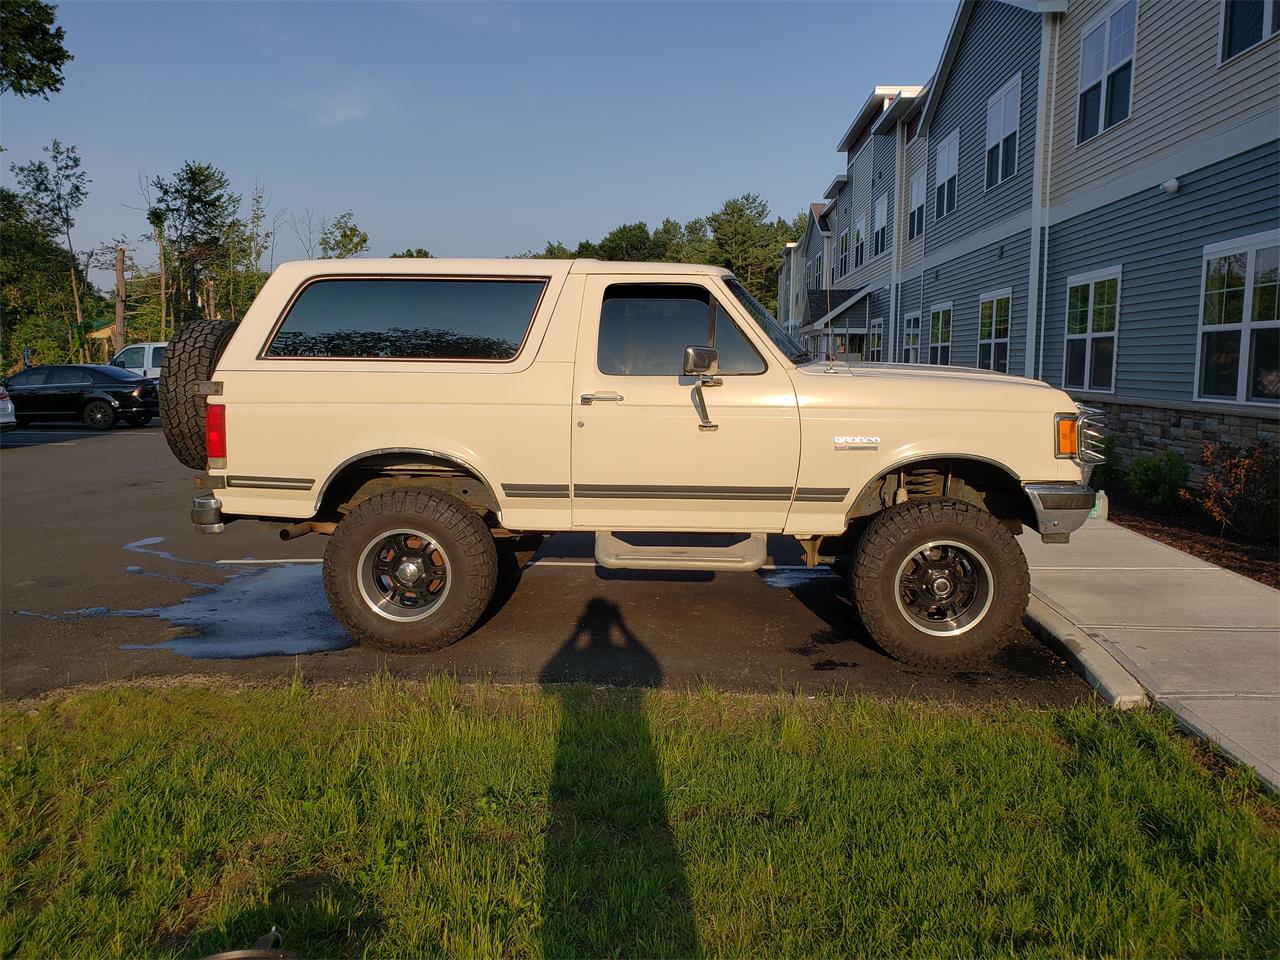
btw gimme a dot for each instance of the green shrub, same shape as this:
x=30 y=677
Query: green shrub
x=1160 y=480
x=1241 y=490
x=1110 y=474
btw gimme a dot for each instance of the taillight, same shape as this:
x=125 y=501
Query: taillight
x=215 y=434
x=4 y=394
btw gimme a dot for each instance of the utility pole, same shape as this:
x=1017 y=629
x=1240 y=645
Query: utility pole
x=117 y=335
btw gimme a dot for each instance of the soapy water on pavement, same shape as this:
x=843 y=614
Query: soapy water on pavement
x=256 y=612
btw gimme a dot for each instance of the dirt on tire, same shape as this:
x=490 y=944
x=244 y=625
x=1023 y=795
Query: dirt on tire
x=192 y=357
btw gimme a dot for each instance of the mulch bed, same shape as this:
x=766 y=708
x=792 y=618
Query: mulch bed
x=1197 y=534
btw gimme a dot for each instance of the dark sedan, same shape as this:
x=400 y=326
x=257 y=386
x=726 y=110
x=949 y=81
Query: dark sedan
x=95 y=394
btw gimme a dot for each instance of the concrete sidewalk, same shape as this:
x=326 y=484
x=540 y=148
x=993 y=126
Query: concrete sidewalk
x=1203 y=641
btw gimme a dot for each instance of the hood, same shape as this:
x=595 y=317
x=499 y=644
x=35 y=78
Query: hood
x=916 y=372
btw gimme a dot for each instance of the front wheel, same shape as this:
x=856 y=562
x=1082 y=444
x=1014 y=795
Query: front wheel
x=409 y=571
x=98 y=415
x=939 y=583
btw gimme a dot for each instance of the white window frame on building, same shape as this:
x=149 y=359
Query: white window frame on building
x=882 y=225
x=842 y=252
x=875 y=340
x=1093 y=333
x=1257 y=313
x=916 y=225
x=1101 y=72
x=941 y=323
x=1004 y=111
x=1270 y=26
x=991 y=323
x=946 y=175
x=911 y=338
x=859 y=241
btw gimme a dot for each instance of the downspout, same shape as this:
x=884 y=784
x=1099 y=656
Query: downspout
x=1043 y=97
x=1048 y=189
x=887 y=347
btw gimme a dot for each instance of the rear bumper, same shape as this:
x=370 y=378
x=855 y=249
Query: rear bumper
x=206 y=514
x=1061 y=508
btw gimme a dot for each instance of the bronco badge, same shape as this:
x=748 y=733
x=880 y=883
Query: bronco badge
x=856 y=443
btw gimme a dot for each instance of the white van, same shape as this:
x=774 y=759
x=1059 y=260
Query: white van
x=144 y=359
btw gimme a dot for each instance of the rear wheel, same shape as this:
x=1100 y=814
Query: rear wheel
x=98 y=415
x=939 y=583
x=410 y=571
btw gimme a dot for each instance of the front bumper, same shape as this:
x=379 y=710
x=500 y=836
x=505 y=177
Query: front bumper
x=1061 y=508
x=206 y=514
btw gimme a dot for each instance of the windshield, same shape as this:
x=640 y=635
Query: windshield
x=764 y=319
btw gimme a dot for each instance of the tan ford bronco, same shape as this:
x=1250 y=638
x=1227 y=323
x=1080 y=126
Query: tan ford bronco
x=437 y=418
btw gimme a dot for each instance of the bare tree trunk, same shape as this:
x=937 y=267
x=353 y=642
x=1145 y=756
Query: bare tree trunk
x=210 y=309
x=163 y=294
x=117 y=335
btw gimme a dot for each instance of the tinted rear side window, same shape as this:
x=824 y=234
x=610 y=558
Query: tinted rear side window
x=409 y=319
x=33 y=377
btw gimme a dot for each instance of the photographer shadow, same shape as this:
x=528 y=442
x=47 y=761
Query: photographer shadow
x=615 y=884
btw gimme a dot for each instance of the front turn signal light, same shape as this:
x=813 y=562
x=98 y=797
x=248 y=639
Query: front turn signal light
x=1066 y=427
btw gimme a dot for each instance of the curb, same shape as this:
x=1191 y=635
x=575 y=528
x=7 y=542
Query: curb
x=1072 y=642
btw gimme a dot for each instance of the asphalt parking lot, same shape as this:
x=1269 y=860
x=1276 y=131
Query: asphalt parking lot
x=103 y=578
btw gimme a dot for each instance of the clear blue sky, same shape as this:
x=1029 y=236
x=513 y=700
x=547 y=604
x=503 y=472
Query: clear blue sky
x=472 y=129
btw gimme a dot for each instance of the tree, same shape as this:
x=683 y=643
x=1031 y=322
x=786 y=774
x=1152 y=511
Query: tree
x=554 y=250
x=342 y=238
x=52 y=192
x=748 y=243
x=421 y=253
x=630 y=242
x=199 y=213
x=31 y=52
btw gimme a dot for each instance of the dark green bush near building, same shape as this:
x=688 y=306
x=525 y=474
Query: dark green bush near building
x=1110 y=474
x=1160 y=480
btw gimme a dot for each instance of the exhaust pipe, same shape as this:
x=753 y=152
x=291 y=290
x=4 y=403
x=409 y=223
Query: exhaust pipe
x=302 y=529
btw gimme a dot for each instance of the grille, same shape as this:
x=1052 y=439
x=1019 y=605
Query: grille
x=1091 y=435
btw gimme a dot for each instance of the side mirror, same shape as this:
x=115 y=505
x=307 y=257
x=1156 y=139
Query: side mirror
x=701 y=361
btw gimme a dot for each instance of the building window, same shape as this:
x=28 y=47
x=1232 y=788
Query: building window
x=916 y=225
x=1002 y=132
x=1239 y=350
x=1106 y=72
x=913 y=127
x=882 y=224
x=875 y=342
x=842 y=248
x=946 y=166
x=1246 y=23
x=993 y=331
x=940 y=334
x=911 y=339
x=1093 y=313
x=859 y=245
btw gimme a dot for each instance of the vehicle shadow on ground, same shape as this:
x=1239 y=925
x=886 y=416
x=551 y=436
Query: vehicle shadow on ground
x=615 y=884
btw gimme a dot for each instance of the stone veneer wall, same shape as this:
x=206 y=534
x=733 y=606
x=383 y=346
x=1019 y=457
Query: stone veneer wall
x=1143 y=430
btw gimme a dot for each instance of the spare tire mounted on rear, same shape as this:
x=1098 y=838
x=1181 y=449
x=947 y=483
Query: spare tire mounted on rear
x=192 y=356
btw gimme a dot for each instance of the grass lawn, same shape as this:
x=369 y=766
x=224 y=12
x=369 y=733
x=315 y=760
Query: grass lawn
x=435 y=819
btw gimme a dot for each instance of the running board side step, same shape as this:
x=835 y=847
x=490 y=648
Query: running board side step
x=615 y=554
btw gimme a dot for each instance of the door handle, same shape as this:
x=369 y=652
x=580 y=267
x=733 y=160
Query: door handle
x=589 y=398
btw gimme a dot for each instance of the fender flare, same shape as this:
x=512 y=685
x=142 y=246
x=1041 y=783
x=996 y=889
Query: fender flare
x=416 y=451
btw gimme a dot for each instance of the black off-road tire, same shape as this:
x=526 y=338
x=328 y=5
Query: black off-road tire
x=900 y=531
x=460 y=533
x=98 y=415
x=192 y=356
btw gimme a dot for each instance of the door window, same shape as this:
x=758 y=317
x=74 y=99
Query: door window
x=157 y=356
x=67 y=376
x=644 y=329
x=134 y=357
x=29 y=378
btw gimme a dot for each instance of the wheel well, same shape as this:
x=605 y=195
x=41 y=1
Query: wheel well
x=375 y=473
x=982 y=482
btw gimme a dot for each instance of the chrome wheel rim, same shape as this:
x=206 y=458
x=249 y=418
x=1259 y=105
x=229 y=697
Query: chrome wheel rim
x=944 y=588
x=404 y=575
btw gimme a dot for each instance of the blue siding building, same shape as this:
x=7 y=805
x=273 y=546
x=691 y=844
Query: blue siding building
x=1086 y=192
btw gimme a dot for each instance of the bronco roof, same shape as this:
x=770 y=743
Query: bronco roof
x=516 y=266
